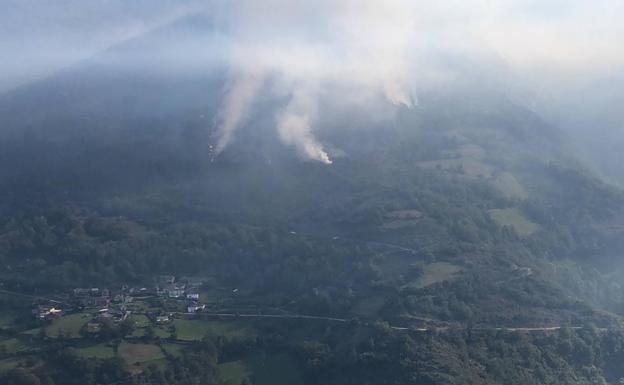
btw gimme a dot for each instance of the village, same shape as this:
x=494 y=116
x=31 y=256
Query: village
x=114 y=305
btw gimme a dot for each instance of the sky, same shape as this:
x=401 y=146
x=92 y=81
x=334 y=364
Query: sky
x=40 y=36
x=309 y=48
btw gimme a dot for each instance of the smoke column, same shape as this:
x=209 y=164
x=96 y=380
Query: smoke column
x=294 y=124
x=240 y=95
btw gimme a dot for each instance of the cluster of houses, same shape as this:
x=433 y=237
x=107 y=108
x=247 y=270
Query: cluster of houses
x=185 y=289
x=113 y=304
x=99 y=298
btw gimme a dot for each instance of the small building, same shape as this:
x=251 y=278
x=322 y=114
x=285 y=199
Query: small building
x=192 y=296
x=115 y=315
x=161 y=319
x=91 y=297
x=195 y=308
x=81 y=292
x=48 y=312
x=172 y=291
x=193 y=282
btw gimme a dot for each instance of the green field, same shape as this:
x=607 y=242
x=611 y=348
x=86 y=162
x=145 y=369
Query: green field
x=162 y=332
x=234 y=372
x=96 y=351
x=141 y=320
x=69 y=325
x=143 y=306
x=509 y=186
x=8 y=364
x=436 y=272
x=31 y=332
x=369 y=306
x=278 y=369
x=174 y=350
x=138 y=353
x=13 y=345
x=514 y=219
x=193 y=330
x=7 y=319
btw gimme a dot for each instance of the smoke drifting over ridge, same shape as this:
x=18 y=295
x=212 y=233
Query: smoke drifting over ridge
x=306 y=52
x=369 y=47
x=350 y=44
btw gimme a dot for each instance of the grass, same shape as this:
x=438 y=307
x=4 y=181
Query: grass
x=436 y=272
x=161 y=332
x=31 y=332
x=193 y=330
x=7 y=319
x=141 y=320
x=174 y=350
x=139 y=353
x=234 y=372
x=101 y=351
x=13 y=345
x=509 y=186
x=369 y=306
x=143 y=306
x=8 y=364
x=277 y=369
x=514 y=219
x=69 y=324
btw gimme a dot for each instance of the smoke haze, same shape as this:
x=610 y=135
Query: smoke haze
x=299 y=51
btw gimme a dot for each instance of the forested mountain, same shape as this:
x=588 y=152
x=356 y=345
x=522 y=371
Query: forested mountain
x=468 y=211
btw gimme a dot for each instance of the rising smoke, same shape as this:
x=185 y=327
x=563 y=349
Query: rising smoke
x=240 y=93
x=362 y=46
x=311 y=53
x=385 y=47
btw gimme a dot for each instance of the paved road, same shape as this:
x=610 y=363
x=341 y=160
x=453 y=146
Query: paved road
x=32 y=296
x=399 y=328
x=335 y=319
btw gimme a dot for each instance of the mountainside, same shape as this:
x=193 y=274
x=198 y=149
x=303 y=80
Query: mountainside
x=592 y=116
x=467 y=215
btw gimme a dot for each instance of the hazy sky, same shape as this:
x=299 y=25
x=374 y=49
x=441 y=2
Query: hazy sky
x=369 y=47
x=40 y=36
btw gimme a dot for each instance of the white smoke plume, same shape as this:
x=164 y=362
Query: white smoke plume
x=374 y=42
x=241 y=92
x=363 y=48
x=389 y=48
x=294 y=124
x=361 y=45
